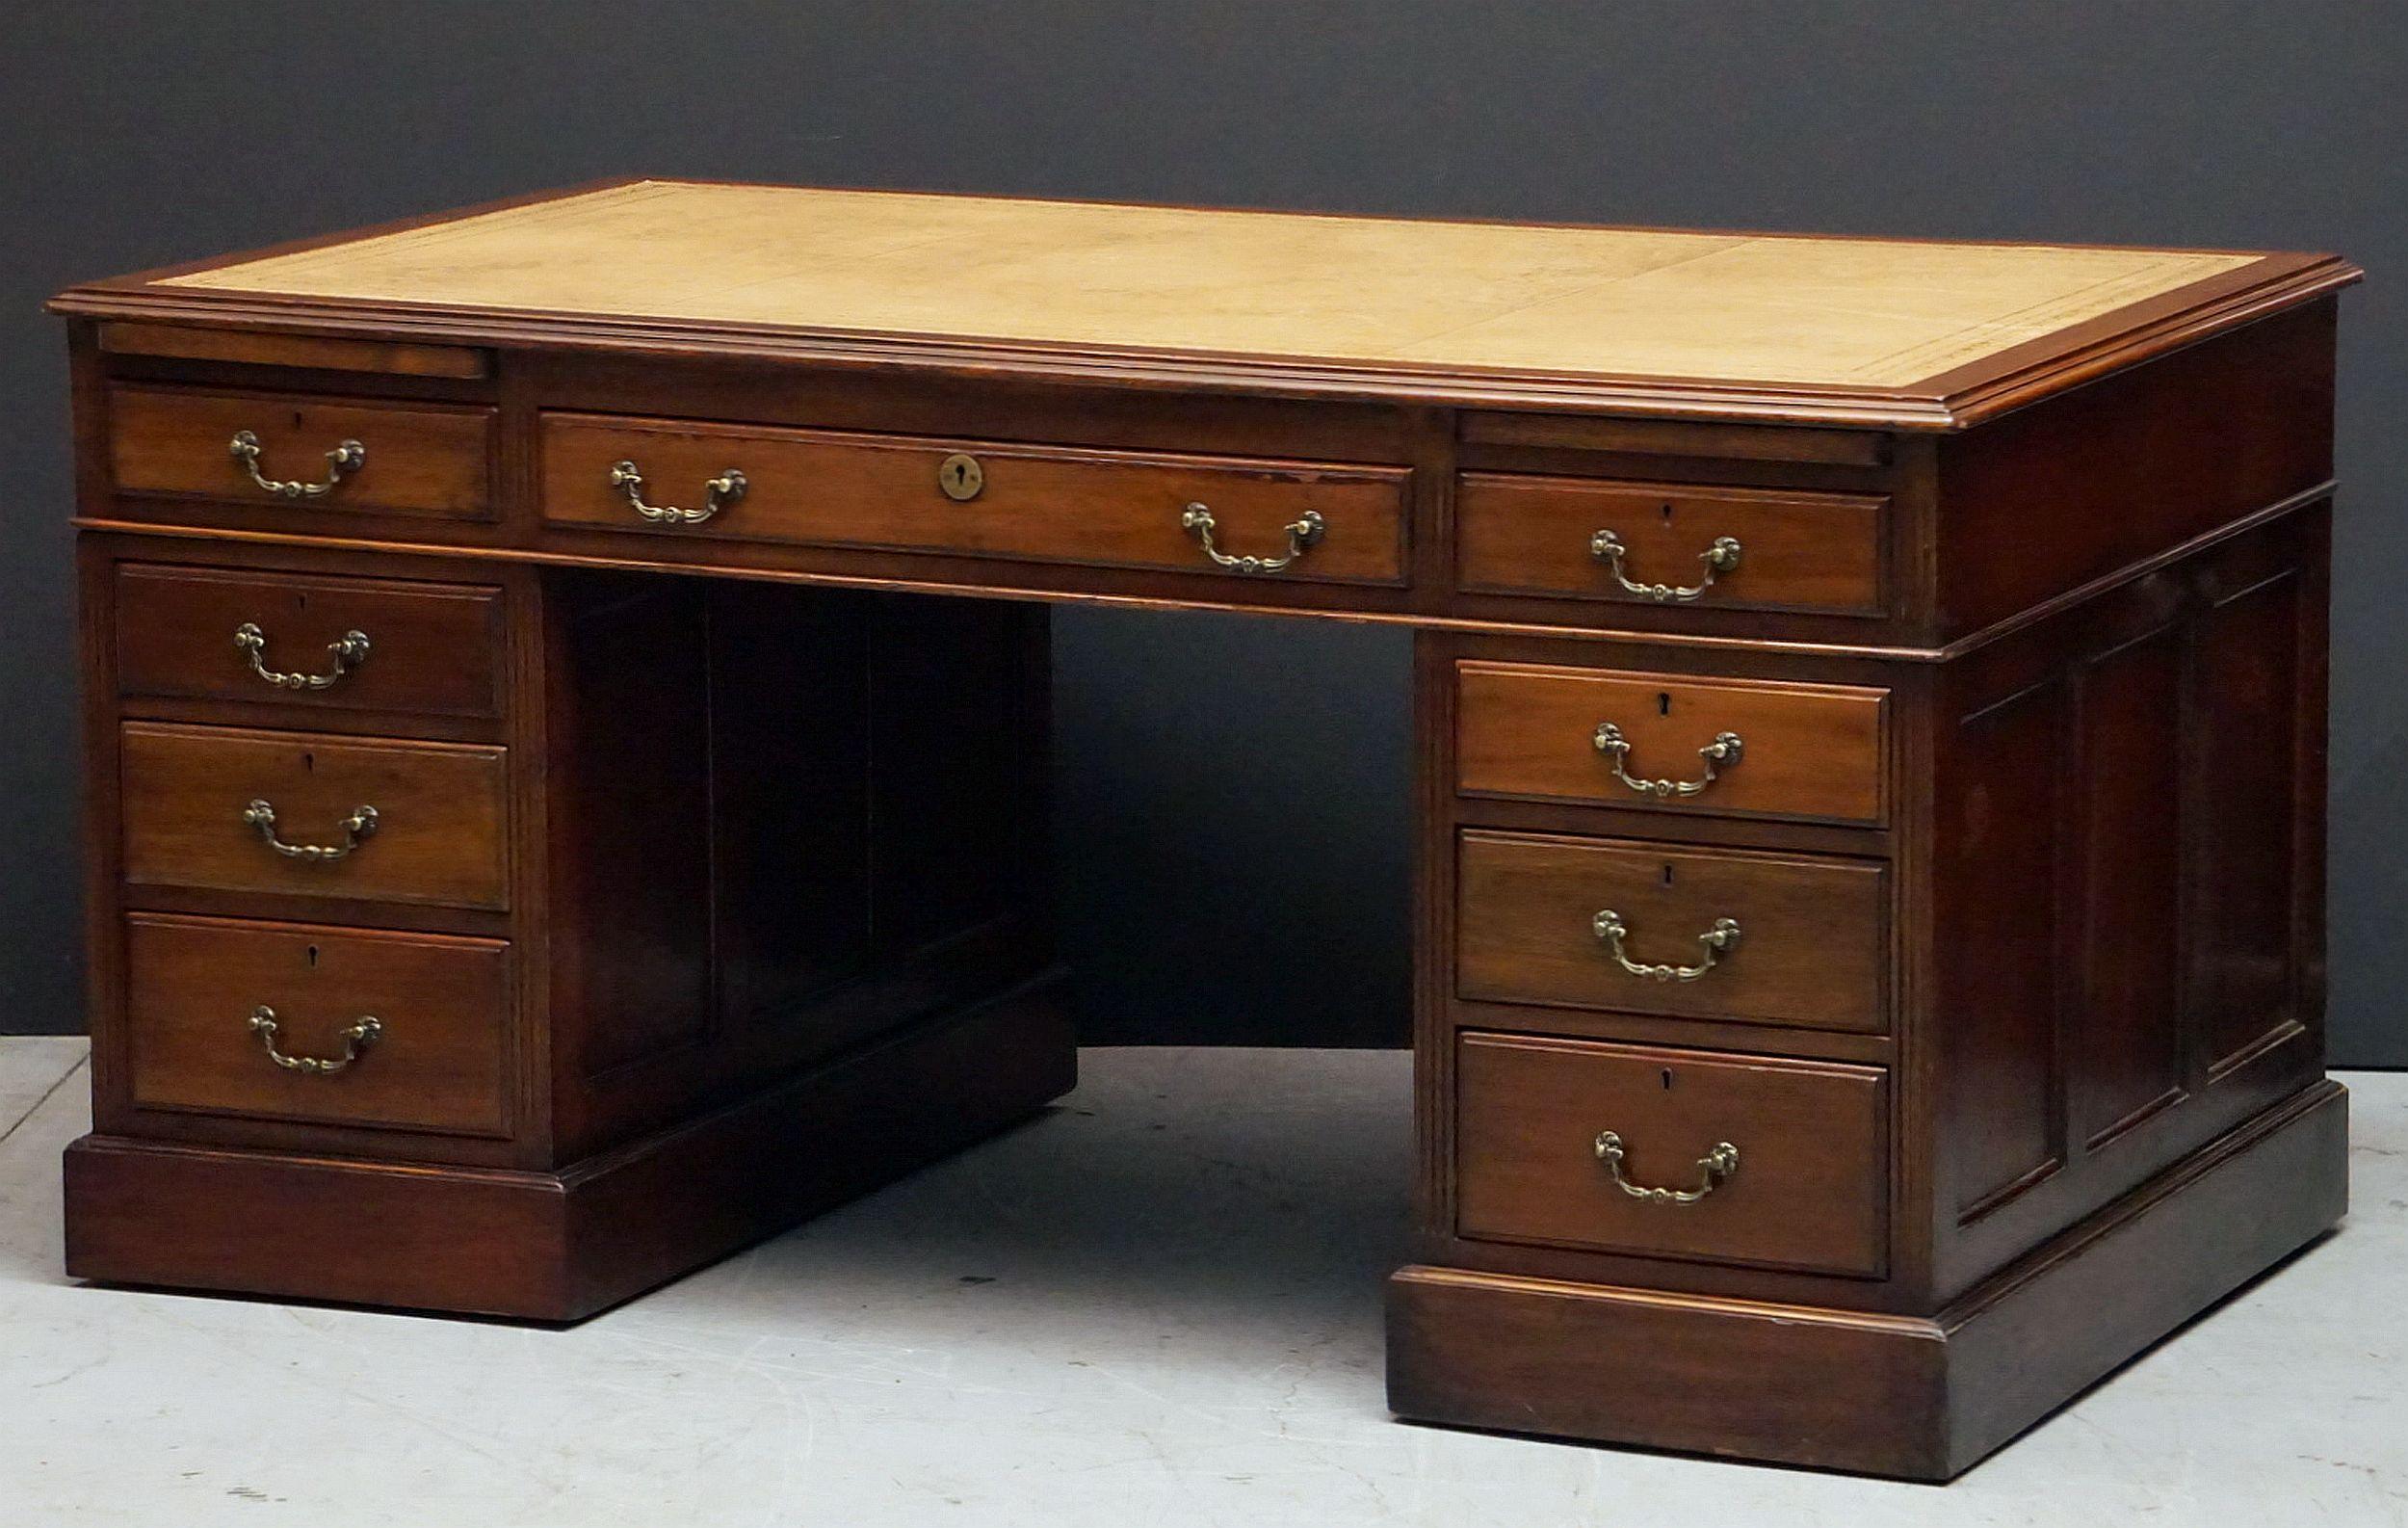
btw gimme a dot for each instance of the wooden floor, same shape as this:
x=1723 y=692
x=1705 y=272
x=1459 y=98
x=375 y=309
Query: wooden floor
x=1159 y=1302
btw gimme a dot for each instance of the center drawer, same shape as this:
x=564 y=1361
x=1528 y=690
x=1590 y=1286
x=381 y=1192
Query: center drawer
x=1791 y=939
x=1298 y=521
x=403 y=1031
x=1762 y=1160
x=377 y=820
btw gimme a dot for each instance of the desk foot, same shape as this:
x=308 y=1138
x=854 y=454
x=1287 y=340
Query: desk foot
x=562 y=1245
x=1918 y=1397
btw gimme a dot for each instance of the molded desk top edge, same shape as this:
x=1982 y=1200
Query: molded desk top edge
x=1880 y=332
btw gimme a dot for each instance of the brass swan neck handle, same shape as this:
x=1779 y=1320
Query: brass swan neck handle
x=1304 y=533
x=356 y=828
x=357 y=1038
x=1714 y=1168
x=1717 y=940
x=1724 y=749
x=717 y=493
x=1722 y=557
x=347 y=458
x=343 y=655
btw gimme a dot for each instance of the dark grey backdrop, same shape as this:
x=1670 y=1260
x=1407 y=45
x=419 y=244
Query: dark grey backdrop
x=1233 y=794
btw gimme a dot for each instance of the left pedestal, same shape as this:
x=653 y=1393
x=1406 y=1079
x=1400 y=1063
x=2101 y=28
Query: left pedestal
x=512 y=940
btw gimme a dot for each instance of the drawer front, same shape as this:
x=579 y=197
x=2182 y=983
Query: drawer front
x=1100 y=508
x=431 y=459
x=343 y=644
x=1679 y=544
x=1807 y=1177
x=437 y=834
x=1718 y=934
x=1807 y=750
x=210 y=1004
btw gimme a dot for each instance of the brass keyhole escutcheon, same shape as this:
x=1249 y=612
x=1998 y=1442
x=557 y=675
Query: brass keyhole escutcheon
x=960 y=476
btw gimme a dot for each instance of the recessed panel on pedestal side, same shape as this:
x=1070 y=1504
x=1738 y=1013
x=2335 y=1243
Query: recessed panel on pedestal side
x=2123 y=890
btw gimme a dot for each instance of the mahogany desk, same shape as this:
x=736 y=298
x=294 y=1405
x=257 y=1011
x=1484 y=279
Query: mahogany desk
x=1869 y=738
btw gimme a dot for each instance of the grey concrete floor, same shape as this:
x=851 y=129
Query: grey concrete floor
x=1156 y=1305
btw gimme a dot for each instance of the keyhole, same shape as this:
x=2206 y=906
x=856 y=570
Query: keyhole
x=960 y=476
x=309 y=763
x=1668 y=514
x=1664 y=704
x=313 y=956
x=1667 y=1079
x=1667 y=875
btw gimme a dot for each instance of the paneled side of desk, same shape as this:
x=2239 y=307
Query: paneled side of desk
x=1867 y=910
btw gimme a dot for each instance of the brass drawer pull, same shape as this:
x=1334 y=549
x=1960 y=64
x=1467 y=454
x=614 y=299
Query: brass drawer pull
x=356 y=1038
x=1715 y=1168
x=356 y=829
x=1724 y=749
x=717 y=494
x=1717 y=940
x=347 y=457
x=1304 y=533
x=343 y=655
x=1722 y=557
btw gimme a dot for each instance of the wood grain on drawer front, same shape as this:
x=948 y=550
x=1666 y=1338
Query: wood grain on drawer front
x=1041 y=502
x=439 y=832
x=1808 y=1192
x=433 y=648
x=1811 y=949
x=1517 y=535
x=441 y=1006
x=1811 y=751
x=431 y=459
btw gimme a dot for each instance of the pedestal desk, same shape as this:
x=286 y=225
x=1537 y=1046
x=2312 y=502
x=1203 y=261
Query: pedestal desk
x=567 y=693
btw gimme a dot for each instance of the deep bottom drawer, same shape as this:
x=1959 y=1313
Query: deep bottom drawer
x=1803 y=1186
x=201 y=994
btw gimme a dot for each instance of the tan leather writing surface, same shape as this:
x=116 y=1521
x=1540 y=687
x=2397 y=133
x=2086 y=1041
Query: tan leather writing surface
x=1454 y=295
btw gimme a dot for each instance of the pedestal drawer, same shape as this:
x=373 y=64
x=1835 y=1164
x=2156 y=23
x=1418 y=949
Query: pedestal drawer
x=341 y=644
x=310 y=815
x=1760 y=1160
x=1713 y=934
x=404 y=1031
x=1741 y=747
x=1298 y=521
x=334 y=454
x=1669 y=543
